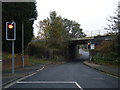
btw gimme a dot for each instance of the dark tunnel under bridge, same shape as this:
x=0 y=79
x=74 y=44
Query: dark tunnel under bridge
x=74 y=46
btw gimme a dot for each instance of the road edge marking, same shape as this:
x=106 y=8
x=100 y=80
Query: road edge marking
x=12 y=83
x=21 y=78
x=40 y=69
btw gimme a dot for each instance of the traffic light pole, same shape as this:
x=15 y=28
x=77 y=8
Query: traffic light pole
x=12 y=56
x=22 y=44
x=90 y=55
x=11 y=36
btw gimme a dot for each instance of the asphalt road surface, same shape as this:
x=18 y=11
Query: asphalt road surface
x=74 y=75
x=85 y=54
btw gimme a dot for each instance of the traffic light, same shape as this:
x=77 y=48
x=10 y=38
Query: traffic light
x=10 y=31
x=88 y=45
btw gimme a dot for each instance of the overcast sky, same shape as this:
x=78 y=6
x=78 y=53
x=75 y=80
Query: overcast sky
x=91 y=14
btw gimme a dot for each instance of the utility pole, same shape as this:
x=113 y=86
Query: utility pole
x=23 y=59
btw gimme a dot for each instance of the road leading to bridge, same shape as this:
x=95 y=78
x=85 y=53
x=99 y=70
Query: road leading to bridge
x=69 y=72
x=69 y=75
x=85 y=54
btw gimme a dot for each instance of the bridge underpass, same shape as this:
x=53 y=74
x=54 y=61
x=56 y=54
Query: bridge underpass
x=74 y=46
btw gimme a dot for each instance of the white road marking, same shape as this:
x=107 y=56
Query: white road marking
x=78 y=86
x=46 y=82
x=12 y=83
x=7 y=86
x=40 y=69
x=51 y=82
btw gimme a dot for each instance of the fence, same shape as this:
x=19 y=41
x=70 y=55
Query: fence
x=98 y=32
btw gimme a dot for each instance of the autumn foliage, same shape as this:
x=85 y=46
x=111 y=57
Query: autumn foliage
x=105 y=47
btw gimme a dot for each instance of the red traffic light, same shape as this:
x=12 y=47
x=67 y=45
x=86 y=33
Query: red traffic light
x=10 y=26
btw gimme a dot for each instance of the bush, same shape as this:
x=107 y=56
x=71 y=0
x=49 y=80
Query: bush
x=104 y=53
x=38 y=49
x=102 y=59
x=105 y=47
x=41 y=50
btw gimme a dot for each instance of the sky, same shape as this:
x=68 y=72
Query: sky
x=91 y=14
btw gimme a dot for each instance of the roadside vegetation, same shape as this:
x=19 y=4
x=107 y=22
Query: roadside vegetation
x=6 y=55
x=34 y=60
x=105 y=53
x=51 y=44
x=108 y=52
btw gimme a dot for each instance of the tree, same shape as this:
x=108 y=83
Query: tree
x=21 y=13
x=73 y=28
x=52 y=31
x=114 y=27
x=56 y=30
x=43 y=31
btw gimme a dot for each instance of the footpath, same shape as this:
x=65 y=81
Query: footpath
x=114 y=71
x=8 y=77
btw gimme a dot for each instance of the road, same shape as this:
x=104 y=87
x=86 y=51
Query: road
x=69 y=75
x=85 y=54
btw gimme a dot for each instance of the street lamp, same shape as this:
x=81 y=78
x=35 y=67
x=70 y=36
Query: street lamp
x=31 y=19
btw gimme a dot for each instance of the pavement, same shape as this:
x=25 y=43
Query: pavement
x=114 y=71
x=8 y=77
x=108 y=69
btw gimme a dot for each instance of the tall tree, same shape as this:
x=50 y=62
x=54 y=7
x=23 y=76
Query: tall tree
x=42 y=26
x=52 y=30
x=56 y=30
x=114 y=27
x=73 y=28
x=20 y=12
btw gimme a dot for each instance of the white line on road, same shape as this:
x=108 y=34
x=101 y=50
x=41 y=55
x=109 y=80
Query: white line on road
x=51 y=82
x=78 y=86
x=12 y=83
x=40 y=69
x=46 y=82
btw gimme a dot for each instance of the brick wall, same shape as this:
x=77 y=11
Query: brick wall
x=7 y=63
